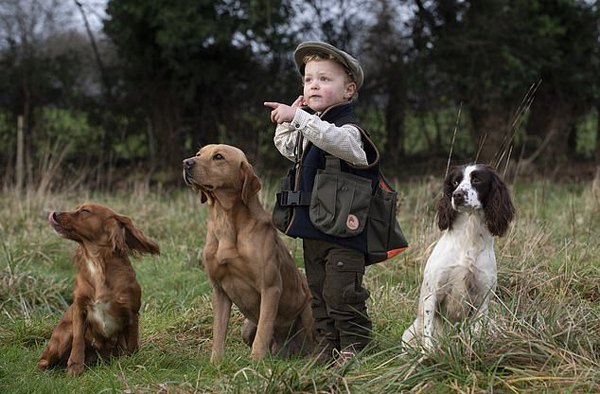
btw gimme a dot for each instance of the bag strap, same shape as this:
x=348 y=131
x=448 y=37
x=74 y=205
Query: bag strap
x=293 y=198
x=298 y=149
x=332 y=163
x=384 y=183
x=371 y=144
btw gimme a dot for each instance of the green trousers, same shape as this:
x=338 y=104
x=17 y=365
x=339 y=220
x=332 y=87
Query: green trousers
x=335 y=275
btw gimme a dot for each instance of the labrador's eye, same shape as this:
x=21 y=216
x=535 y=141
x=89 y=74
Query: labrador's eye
x=218 y=156
x=85 y=210
x=475 y=181
x=455 y=183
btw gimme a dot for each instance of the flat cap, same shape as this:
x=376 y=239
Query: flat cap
x=315 y=47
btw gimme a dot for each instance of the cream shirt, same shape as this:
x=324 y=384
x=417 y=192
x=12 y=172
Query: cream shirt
x=343 y=142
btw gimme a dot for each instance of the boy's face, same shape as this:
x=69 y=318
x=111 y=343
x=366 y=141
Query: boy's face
x=326 y=84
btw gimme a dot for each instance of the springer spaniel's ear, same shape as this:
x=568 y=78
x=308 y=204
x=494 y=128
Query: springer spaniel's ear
x=499 y=209
x=251 y=183
x=446 y=214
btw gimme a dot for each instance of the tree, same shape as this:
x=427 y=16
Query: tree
x=386 y=54
x=197 y=68
x=570 y=78
x=40 y=63
x=491 y=52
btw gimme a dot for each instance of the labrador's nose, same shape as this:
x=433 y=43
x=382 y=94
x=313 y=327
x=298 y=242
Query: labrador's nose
x=188 y=163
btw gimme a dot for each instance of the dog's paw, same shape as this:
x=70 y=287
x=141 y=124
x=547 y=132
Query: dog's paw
x=428 y=346
x=258 y=354
x=215 y=358
x=74 y=369
x=43 y=364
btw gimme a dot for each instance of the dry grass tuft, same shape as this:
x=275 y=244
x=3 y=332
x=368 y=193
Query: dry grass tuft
x=22 y=292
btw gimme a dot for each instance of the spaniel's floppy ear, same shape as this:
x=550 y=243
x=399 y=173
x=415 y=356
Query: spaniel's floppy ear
x=499 y=209
x=445 y=212
x=251 y=183
x=127 y=238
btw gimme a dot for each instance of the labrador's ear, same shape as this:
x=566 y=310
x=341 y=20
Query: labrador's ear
x=251 y=183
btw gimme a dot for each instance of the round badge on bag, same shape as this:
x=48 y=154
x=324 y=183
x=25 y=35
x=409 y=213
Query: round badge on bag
x=352 y=222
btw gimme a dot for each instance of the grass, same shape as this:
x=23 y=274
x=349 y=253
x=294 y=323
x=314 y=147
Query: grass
x=543 y=334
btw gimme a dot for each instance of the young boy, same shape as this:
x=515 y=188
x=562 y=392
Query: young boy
x=318 y=125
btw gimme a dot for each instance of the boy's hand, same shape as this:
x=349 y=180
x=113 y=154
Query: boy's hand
x=284 y=113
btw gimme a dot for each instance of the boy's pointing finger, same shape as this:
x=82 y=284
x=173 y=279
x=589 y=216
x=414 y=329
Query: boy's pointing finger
x=271 y=104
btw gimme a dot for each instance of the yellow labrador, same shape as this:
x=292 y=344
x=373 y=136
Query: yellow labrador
x=246 y=262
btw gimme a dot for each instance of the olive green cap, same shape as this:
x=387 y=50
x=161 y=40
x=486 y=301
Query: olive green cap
x=312 y=47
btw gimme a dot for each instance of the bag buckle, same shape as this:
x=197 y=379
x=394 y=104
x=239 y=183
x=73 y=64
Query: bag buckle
x=290 y=198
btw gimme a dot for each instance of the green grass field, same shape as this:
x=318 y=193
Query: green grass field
x=543 y=334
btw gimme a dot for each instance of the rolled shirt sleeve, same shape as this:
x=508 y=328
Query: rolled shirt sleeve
x=285 y=140
x=344 y=142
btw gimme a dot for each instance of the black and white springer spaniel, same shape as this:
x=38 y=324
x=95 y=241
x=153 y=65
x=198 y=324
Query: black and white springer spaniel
x=460 y=275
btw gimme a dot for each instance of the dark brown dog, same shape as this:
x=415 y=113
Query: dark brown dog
x=103 y=319
x=246 y=262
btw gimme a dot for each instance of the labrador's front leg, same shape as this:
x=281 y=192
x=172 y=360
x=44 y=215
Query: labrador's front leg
x=269 y=303
x=221 y=311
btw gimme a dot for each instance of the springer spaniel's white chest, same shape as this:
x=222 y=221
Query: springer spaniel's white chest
x=466 y=249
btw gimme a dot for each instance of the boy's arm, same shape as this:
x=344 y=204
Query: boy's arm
x=285 y=140
x=344 y=142
x=286 y=136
